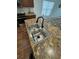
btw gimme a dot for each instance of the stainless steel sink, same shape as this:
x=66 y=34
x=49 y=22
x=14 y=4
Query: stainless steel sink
x=38 y=34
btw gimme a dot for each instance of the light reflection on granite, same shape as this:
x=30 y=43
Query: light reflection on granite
x=42 y=50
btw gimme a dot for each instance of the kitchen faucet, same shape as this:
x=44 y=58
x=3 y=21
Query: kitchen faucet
x=42 y=21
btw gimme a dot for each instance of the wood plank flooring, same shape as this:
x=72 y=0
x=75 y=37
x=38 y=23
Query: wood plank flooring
x=23 y=43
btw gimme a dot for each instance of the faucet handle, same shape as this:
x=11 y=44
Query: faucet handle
x=42 y=21
x=39 y=18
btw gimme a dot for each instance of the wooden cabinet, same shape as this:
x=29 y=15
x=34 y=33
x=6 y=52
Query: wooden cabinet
x=26 y=3
x=30 y=16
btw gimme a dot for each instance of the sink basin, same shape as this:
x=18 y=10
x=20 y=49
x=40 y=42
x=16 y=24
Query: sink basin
x=38 y=34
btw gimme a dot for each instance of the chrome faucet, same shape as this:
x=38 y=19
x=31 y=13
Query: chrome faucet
x=42 y=21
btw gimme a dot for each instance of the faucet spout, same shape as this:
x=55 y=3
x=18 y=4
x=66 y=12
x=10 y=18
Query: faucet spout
x=42 y=21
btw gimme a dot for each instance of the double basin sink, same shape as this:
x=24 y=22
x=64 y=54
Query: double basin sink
x=38 y=34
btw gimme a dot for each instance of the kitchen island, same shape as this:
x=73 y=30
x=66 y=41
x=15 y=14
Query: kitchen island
x=49 y=48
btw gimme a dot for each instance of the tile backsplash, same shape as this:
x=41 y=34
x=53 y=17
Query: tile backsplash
x=24 y=10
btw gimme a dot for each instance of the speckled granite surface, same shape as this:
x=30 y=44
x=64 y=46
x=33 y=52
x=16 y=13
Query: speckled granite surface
x=50 y=48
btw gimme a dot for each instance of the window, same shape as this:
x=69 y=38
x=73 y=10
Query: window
x=47 y=8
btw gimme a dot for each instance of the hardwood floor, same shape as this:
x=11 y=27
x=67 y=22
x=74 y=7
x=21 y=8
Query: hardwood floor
x=23 y=44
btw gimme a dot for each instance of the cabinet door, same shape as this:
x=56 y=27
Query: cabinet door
x=18 y=3
x=27 y=3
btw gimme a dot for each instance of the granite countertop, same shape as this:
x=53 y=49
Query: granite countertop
x=50 y=48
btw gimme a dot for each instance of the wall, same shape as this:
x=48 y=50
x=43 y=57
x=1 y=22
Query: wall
x=38 y=7
x=56 y=11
